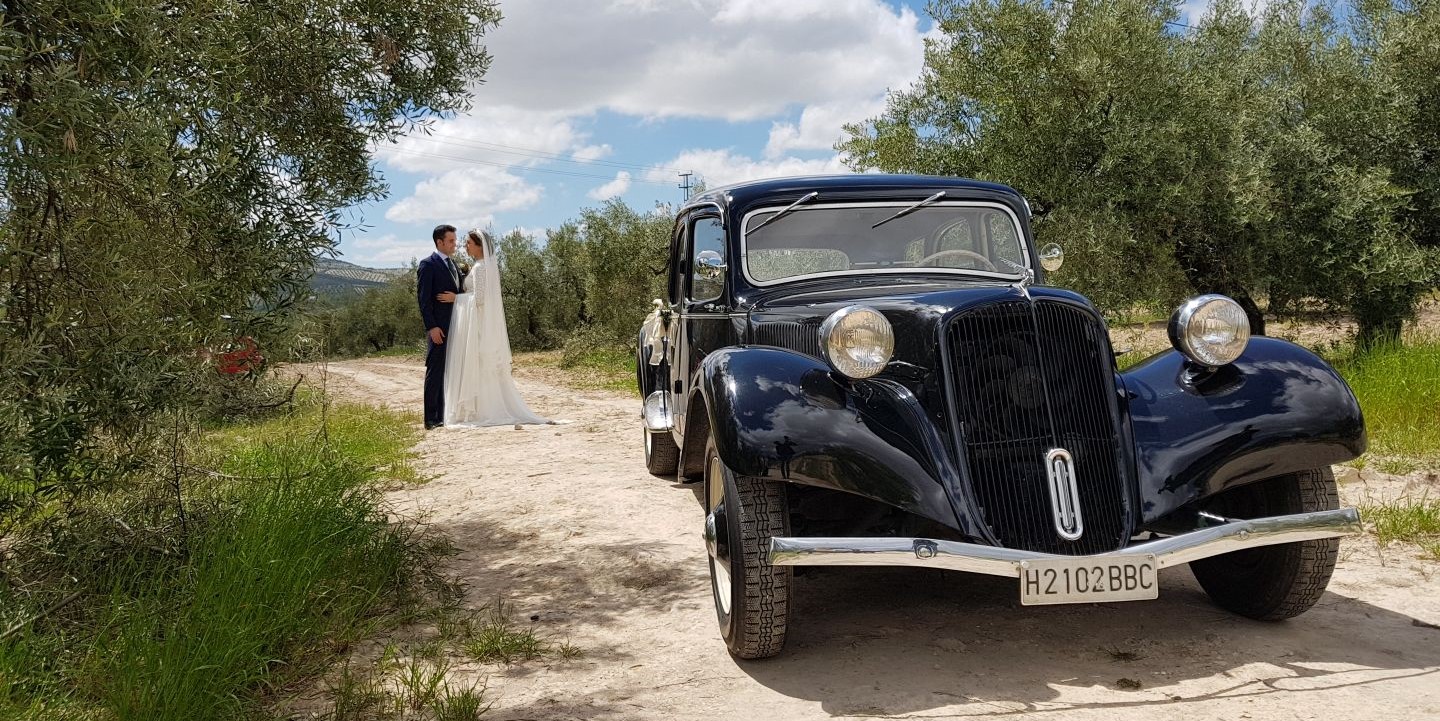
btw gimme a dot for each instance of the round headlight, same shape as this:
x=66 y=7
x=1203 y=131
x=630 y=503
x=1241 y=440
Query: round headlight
x=857 y=340
x=1211 y=330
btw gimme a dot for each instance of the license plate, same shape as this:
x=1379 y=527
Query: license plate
x=1089 y=580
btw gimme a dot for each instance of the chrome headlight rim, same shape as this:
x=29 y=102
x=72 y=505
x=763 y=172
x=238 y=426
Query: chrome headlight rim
x=1182 y=330
x=849 y=367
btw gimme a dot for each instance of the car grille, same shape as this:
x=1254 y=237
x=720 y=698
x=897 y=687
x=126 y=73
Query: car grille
x=1029 y=377
x=799 y=337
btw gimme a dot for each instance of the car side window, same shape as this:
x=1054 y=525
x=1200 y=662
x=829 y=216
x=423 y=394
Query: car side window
x=679 y=263
x=707 y=249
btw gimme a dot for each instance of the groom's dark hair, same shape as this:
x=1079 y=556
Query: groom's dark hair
x=438 y=234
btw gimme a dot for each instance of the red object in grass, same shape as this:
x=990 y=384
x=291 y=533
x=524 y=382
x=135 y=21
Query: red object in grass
x=239 y=357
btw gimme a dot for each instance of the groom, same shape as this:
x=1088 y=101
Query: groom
x=438 y=280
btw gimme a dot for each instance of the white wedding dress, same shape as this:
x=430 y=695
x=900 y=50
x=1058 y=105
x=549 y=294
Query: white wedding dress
x=478 y=388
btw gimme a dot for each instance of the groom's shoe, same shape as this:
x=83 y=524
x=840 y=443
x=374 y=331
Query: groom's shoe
x=429 y=426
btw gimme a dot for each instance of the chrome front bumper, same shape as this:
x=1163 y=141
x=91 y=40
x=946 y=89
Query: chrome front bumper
x=975 y=558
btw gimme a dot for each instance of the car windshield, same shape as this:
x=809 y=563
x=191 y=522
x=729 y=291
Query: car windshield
x=853 y=238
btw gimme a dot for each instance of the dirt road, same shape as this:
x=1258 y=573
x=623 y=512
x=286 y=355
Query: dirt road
x=565 y=525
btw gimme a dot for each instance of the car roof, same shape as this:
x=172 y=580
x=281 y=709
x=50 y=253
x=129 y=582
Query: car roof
x=743 y=194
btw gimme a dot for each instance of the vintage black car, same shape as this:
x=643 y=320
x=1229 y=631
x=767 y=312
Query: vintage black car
x=870 y=370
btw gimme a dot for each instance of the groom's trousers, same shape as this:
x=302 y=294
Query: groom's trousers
x=434 y=383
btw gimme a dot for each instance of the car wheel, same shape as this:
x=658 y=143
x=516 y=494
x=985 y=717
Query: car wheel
x=1273 y=583
x=752 y=597
x=662 y=456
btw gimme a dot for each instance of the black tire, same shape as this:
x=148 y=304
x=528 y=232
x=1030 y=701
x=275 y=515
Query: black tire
x=662 y=456
x=1273 y=583
x=754 y=621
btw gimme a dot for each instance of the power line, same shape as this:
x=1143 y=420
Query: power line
x=525 y=169
x=542 y=154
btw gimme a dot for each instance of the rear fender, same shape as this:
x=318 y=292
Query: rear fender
x=785 y=416
x=1276 y=410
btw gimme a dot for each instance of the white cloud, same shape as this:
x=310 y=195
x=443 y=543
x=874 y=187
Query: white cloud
x=1192 y=12
x=465 y=197
x=386 y=251
x=593 y=152
x=538 y=233
x=618 y=186
x=559 y=63
x=735 y=59
x=722 y=167
x=820 y=126
x=496 y=135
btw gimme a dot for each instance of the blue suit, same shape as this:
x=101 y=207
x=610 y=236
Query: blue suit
x=434 y=276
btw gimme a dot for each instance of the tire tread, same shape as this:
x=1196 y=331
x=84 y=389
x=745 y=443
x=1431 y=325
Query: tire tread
x=664 y=456
x=764 y=515
x=1285 y=580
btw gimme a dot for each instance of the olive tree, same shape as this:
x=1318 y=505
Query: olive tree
x=167 y=163
x=565 y=267
x=626 y=256
x=1256 y=156
x=526 y=291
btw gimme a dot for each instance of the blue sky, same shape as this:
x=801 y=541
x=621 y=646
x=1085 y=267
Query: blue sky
x=591 y=99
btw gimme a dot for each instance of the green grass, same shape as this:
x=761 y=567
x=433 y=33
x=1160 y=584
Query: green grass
x=602 y=369
x=1399 y=392
x=613 y=368
x=1407 y=520
x=284 y=555
x=495 y=639
x=1127 y=360
x=403 y=350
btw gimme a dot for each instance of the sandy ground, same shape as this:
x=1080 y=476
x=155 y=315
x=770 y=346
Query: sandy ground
x=563 y=523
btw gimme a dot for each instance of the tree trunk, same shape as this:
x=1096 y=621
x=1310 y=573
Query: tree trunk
x=1381 y=317
x=1252 y=310
x=1206 y=274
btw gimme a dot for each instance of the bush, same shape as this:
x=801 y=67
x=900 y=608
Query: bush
x=363 y=322
x=166 y=167
x=193 y=597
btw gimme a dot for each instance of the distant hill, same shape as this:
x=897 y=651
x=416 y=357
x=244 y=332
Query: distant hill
x=333 y=277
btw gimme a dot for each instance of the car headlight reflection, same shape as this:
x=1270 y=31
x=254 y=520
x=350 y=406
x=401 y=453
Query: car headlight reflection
x=857 y=341
x=1211 y=330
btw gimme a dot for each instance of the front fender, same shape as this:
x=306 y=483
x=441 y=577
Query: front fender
x=1276 y=410
x=782 y=415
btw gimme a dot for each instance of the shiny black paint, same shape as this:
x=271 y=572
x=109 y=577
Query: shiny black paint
x=1276 y=410
x=1186 y=433
x=780 y=412
x=781 y=415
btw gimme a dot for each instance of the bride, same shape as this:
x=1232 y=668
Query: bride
x=478 y=388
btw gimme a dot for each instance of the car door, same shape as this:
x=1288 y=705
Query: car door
x=701 y=311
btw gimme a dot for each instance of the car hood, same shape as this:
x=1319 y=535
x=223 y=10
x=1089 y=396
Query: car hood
x=917 y=309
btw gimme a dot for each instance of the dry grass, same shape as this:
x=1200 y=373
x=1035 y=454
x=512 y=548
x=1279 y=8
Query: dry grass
x=602 y=372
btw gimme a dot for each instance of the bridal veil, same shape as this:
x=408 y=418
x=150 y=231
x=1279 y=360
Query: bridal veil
x=479 y=390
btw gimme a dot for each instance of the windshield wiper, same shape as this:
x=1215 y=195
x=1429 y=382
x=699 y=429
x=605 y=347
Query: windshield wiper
x=910 y=209
x=1023 y=270
x=813 y=195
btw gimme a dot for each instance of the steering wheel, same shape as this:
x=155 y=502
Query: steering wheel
x=967 y=253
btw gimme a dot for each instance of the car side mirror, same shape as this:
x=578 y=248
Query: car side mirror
x=1051 y=257
x=709 y=264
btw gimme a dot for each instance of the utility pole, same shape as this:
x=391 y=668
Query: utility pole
x=685 y=184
